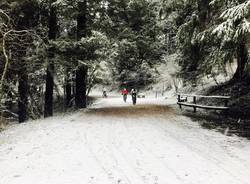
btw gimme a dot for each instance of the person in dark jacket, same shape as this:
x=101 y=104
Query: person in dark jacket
x=104 y=93
x=134 y=96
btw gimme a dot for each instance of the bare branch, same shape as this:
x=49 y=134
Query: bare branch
x=13 y=34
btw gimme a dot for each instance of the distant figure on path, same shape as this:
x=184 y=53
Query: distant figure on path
x=125 y=94
x=104 y=93
x=134 y=96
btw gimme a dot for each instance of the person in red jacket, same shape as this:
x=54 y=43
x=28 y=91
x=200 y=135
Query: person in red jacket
x=124 y=94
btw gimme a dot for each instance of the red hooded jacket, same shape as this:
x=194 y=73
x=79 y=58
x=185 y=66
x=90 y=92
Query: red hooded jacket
x=124 y=92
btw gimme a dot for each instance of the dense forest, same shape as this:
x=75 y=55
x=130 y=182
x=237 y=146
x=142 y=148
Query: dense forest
x=53 y=52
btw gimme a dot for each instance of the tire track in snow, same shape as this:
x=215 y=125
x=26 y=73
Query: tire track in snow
x=110 y=152
x=95 y=157
x=119 y=156
x=170 y=173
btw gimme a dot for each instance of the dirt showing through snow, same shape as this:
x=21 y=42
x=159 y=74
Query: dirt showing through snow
x=117 y=143
x=131 y=111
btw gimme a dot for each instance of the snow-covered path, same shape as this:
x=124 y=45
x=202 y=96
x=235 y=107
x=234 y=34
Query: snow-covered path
x=116 y=143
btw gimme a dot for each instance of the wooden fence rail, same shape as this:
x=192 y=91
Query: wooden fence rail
x=183 y=101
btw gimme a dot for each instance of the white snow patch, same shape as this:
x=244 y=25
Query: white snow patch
x=154 y=149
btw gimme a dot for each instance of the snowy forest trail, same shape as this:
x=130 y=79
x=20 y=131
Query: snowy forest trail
x=117 y=143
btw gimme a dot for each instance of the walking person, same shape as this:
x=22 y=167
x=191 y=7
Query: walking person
x=125 y=94
x=104 y=93
x=134 y=96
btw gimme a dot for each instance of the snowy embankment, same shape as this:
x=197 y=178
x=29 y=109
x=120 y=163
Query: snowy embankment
x=116 y=143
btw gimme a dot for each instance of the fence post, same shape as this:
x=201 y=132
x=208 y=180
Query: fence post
x=226 y=105
x=194 y=101
x=179 y=100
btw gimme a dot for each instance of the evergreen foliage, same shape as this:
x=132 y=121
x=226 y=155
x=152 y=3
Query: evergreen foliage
x=59 y=37
x=210 y=34
x=45 y=46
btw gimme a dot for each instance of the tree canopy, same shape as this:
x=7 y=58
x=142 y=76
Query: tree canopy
x=55 y=51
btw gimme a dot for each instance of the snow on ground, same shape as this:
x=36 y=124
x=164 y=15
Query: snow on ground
x=117 y=143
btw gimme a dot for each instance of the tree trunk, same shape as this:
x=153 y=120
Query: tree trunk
x=242 y=59
x=81 y=71
x=48 y=104
x=23 y=93
x=82 y=20
x=203 y=12
x=81 y=80
x=68 y=88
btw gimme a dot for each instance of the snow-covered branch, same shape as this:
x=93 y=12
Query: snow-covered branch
x=237 y=13
x=235 y=25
